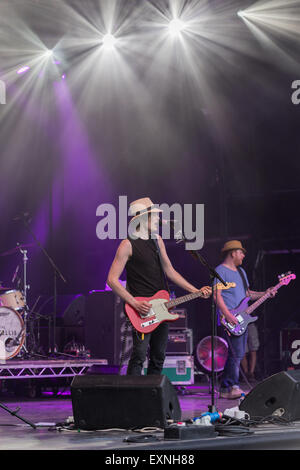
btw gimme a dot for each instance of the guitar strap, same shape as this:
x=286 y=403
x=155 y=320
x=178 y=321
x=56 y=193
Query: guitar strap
x=160 y=264
x=243 y=279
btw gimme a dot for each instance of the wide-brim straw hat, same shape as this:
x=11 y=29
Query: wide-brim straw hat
x=141 y=207
x=233 y=245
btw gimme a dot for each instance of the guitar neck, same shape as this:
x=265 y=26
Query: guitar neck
x=184 y=298
x=261 y=300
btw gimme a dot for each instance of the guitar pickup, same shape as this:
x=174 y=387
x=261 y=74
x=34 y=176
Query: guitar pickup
x=148 y=323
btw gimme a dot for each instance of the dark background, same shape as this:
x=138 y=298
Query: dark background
x=220 y=130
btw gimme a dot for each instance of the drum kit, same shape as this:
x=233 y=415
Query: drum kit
x=14 y=311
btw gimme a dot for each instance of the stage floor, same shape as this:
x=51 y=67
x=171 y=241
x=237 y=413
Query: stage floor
x=48 y=411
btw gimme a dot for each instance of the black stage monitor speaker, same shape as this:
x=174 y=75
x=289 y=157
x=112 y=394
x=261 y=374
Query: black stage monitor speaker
x=121 y=401
x=278 y=394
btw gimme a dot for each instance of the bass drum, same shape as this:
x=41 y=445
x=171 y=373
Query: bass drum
x=12 y=333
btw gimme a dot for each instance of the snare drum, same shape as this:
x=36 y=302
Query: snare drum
x=12 y=333
x=12 y=298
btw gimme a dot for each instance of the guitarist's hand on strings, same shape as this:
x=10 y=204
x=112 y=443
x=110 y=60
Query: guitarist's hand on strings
x=142 y=307
x=231 y=319
x=271 y=292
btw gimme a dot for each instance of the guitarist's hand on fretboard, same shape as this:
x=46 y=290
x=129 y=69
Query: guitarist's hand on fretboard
x=271 y=292
x=206 y=292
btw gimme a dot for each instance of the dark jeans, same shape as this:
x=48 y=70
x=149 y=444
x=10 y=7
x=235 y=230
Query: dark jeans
x=236 y=352
x=157 y=343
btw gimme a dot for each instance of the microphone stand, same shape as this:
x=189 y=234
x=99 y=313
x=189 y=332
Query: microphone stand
x=212 y=274
x=56 y=272
x=15 y=413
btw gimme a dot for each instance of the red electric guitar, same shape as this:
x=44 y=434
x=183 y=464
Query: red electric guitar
x=159 y=312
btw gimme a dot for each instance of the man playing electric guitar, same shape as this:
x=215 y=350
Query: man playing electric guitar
x=139 y=255
x=233 y=254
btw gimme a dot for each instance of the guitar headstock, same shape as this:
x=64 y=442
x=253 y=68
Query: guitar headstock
x=286 y=278
x=221 y=286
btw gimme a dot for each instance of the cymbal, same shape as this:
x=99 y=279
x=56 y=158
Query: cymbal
x=16 y=249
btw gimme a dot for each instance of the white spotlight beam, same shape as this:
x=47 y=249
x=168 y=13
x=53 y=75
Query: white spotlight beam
x=176 y=26
x=109 y=41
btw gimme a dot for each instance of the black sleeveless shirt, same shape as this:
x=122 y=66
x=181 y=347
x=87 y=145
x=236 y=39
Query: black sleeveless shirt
x=144 y=272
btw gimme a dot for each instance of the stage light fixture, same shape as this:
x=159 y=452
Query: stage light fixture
x=109 y=41
x=176 y=26
x=23 y=69
x=241 y=13
x=48 y=53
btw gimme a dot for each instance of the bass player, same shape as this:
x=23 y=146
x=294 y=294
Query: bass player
x=230 y=270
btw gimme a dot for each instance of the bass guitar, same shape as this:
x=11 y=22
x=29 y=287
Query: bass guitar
x=160 y=309
x=243 y=312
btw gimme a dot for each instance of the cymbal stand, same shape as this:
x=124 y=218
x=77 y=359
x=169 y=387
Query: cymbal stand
x=56 y=273
x=25 y=285
x=25 y=288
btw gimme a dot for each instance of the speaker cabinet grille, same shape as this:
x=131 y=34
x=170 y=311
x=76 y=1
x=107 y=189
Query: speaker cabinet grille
x=278 y=394
x=126 y=402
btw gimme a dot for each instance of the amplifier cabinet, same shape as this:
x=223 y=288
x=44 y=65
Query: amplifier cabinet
x=181 y=321
x=105 y=327
x=180 y=342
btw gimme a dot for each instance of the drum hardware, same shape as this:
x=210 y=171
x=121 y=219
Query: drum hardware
x=56 y=273
x=25 y=285
x=15 y=274
x=16 y=249
x=25 y=288
x=35 y=347
x=16 y=300
x=12 y=298
x=12 y=319
x=12 y=333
